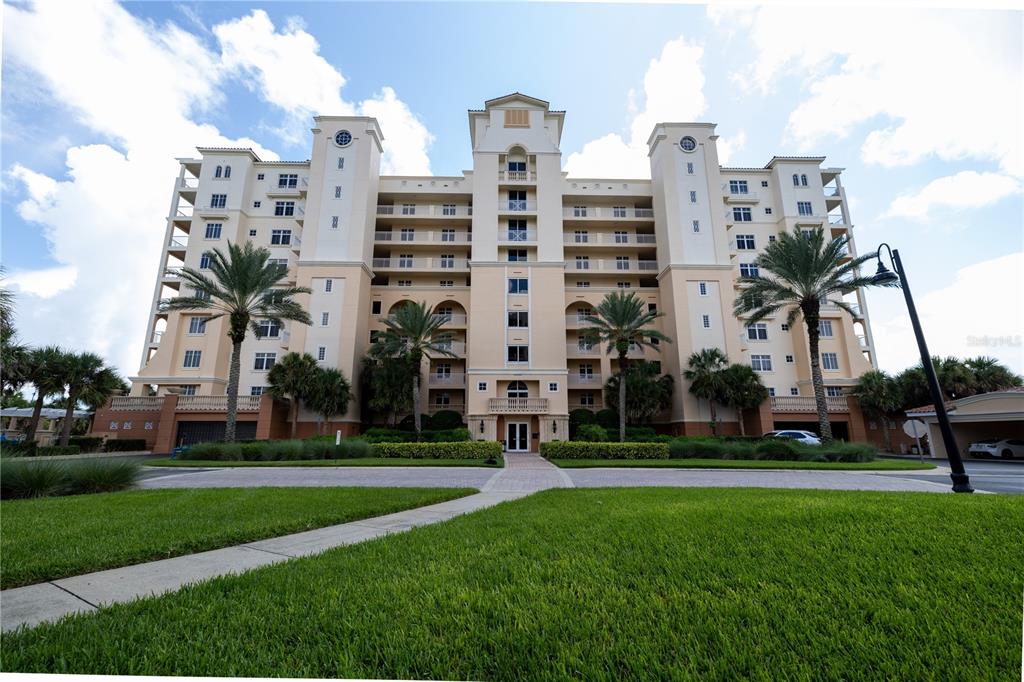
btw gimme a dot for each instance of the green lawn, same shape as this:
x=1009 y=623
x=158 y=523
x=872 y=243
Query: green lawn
x=605 y=584
x=47 y=538
x=353 y=462
x=877 y=465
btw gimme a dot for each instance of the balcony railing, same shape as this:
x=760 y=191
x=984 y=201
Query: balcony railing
x=518 y=405
x=435 y=263
x=424 y=237
x=425 y=210
x=517 y=176
x=446 y=379
x=836 y=220
x=177 y=243
x=516 y=206
x=457 y=347
x=434 y=408
x=217 y=403
x=582 y=349
x=188 y=183
x=576 y=405
x=835 y=403
x=132 y=403
x=173 y=272
x=453 y=319
x=607 y=212
x=516 y=236
x=576 y=321
x=607 y=265
x=585 y=380
x=156 y=336
x=607 y=239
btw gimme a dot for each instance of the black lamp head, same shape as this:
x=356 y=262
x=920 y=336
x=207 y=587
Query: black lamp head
x=884 y=276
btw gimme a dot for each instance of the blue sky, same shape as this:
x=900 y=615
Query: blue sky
x=921 y=107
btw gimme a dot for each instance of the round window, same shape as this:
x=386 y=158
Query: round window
x=688 y=144
x=343 y=138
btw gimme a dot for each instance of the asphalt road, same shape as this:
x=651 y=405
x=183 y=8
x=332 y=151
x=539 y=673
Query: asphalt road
x=989 y=476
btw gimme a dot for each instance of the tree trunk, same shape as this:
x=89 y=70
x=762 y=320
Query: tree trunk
x=714 y=417
x=824 y=427
x=416 y=402
x=739 y=413
x=69 y=415
x=33 y=423
x=622 y=396
x=886 y=436
x=293 y=411
x=235 y=370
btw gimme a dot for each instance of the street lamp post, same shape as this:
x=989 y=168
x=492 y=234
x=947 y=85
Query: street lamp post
x=961 y=482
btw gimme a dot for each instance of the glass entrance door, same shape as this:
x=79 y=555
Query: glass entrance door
x=518 y=437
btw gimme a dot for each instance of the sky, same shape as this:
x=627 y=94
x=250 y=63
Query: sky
x=921 y=107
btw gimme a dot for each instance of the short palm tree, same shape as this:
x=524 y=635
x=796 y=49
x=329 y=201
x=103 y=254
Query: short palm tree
x=245 y=287
x=743 y=390
x=706 y=374
x=291 y=379
x=799 y=273
x=6 y=307
x=879 y=396
x=412 y=332
x=990 y=375
x=622 y=321
x=86 y=376
x=45 y=370
x=329 y=394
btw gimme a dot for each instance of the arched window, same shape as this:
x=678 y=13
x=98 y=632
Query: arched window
x=803 y=180
x=227 y=172
x=218 y=172
x=517 y=389
x=796 y=180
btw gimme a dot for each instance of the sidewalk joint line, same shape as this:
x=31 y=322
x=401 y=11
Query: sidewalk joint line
x=78 y=597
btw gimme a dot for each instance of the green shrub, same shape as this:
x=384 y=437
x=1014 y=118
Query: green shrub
x=54 y=450
x=286 y=450
x=777 y=449
x=352 y=448
x=32 y=479
x=101 y=476
x=577 y=418
x=86 y=443
x=844 y=452
x=380 y=434
x=317 y=449
x=253 y=451
x=591 y=433
x=407 y=424
x=22 y=449
x=447 y=436
x=444 y=420
x=581 y=450
x=608 y=418
x=771 y=449
x=125 y=444
x=474 y=449
x=207 y=451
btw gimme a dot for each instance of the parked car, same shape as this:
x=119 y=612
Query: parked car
x=805 y=437
x=1005 y=448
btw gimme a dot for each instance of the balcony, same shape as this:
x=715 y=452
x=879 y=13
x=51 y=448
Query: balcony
x=217 y=403
x=574 y=321
x=516 y=206
x=173 y=273
x=212 y=211
x=594 y=406
x=508 y=176
x=456 y=347
x=428 y=264
x=154 y=339
x=741 y=198
x=424 y=237
x=133 y=404
x=452 y=319
x=584 y=380
x=608 y=265
x=517 y=405
x=457 y=406
x=295 y=244
x=837 y=403
x=607 y=213
x=446 y=380
x=582 y=350
x=517 y=236
x=425 y=210
x=289 y=190
x=608 y=239
x=188 y=183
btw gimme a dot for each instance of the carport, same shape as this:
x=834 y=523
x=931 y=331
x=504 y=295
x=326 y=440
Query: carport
x=988 y=415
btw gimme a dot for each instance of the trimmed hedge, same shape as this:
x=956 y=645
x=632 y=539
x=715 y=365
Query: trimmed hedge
x=778 y=449
x=474 y=449
x=277 y=450
x=591 y=433
x=87 y=443
x=126 y=444
x=557 y=449
x=33 y=449
x=380 y=434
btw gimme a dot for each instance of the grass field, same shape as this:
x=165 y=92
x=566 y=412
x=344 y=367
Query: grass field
x=47 y=538
x=603 y=584
x=877 y=465
x=353 y=462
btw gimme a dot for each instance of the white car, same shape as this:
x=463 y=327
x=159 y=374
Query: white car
x=805 y=437
x=1007 y=448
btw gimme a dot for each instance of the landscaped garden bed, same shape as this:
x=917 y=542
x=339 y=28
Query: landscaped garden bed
x=354 y=462
x=602 y=584
x=698 y=463
x=323 y=450
x=44 y=539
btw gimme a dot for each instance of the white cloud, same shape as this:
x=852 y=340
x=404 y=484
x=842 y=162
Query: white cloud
x=923 y=80
x=44 y=283
x=987 y=302
x=967 y=189
x=405 y=138
x=730 y=146
x=673 y=91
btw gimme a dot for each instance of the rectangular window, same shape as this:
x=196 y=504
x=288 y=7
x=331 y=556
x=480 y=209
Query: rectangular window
x=580 y=236
x=652 y=307
x=702 y=288
x=204 y=261
x=447 y=209
x=341 y=163
x=518 y=354
x=516 y=255
x=586 y=399
x=789 y=359
x=280 y=237
x=337 y=191
x=517 y=118
x=582 y=262
x=447 y=283
x=745 y=242
x=794 y=391
x=405 y=260
x=321 y=353
x=757 y=332
x=213 y=230
x=189 y=389
x=481 y=385
x=553 y=386
x=407 y=234
x=448 y=261
x=518 y=319
x=825 y=328
x=328 y=286
x=447 y=234
x=583 y=285
x=741 y=214
x=830 y=361
x=516 y=231
x=283 y=262
x=218 y=200
x=705 y=321
x=518 y=285
x=257 y=204
x=749 y=270
x=334 y=222
x=833 y=391
x=264 y=361
x=771 y=238
x=405 y=282
x=764 y=183
x=517 y=166
x=268 y=329
x=408 y=209
x=252 y=233
x=192 y=358
x=259 y=176
x=767 y=211
x=804 y=208
x=624 y=285
x=761 y=363
x=689 y=168
x=197 y=325
x=622 y=262
x=621 y=236
x=693 y=197
x=579 y=211
x=618 y=211
x=325 y=319
x=771 y=392
x=737 y=187
x=257 y=390
x=375 y=307
x=284 y=208
x=696 y=226
x=287 y=180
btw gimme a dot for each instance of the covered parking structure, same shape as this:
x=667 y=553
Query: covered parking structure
x=987 y=415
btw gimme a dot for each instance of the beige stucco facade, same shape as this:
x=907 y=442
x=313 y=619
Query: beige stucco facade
x=513 y=252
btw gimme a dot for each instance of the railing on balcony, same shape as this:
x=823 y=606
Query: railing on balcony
x=177 y=243
x=173 y=272
x=453 y=319
x=515 y=236
x=607 y=265
x=518 y=405
x=434 y=408
x=585 y=380
x=607 y=212
x=576 y=321
x=183 y=212
x=133 y=403
x=217 y=403
x=584 y=349
x=156 y=336
x=516 y=206
x=188 y=183
x=425 y=210
x=603 y=238
x=456 y=347
x=862 y=340
x=424 y=237
x=517 y=176
x=435 y=263
x=576 y=405
x=446 y=379
x=836 y=220
x=835 y=403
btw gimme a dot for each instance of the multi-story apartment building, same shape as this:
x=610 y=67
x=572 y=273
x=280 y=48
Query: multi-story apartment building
x=514 y=253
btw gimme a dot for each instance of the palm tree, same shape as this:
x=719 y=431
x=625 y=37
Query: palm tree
x=86 y=375
x=801 y=272
x=990 y=375
x=879 y=395
x=706 y=374
x=6 y=307
x=245 y=287
x=329 y=394
x=412 y=332
x=622 y=321
x=290 y=379
x=743 y=390
x=44 y=370
x=955 y=378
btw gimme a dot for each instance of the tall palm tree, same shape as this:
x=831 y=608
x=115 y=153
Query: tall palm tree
x=6 y=307
x=800 y=272
x=743 y=390
x=290 y=379
x=412 y=332
x=706 y=374
x=990 y=375
x=86 y=375
x=329 y=394
x=44 y=370
x=245 y=287
x=621 y=320
x=879 y=395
